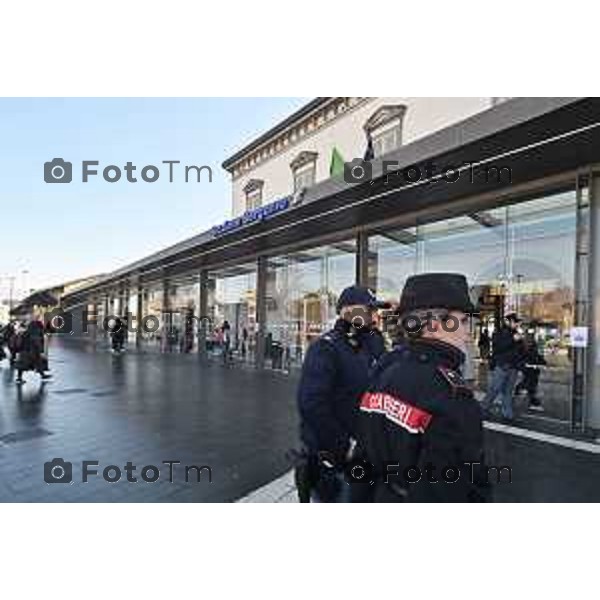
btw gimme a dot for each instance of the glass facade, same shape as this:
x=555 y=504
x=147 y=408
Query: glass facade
x=152 y=306
x=101 y=314
x=132 y=299
x=301 y=294
x=521 y=257
x=183 y=316
x=231 y=305
x=517 y=258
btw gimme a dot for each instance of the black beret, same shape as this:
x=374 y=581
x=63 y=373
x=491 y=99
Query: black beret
x=436 y=290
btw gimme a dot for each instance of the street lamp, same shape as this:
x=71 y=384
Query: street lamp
x=11 y=287
x=24 y=274
x=519 y=280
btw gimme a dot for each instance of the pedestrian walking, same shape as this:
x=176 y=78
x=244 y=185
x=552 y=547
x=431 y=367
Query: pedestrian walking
x=507 y=355
x=484 y=344
x=531 y=362
x=3 y=341
x=13 y=337
x=226 y=342
x=188 y=337
x=32 y=355
x=244 y=342
x=118 y=335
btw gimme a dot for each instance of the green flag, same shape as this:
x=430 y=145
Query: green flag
x=336 y=166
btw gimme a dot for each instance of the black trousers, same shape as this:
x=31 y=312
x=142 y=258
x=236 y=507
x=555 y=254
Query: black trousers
x=531 y=378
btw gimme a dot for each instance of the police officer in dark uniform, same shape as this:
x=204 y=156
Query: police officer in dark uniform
x=335 y=373
x=419 y=423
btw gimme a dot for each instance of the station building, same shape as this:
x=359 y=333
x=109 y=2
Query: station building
x=43 y=300
x=504 y=190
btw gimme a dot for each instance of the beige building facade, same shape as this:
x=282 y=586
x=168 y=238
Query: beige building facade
x=299 y=152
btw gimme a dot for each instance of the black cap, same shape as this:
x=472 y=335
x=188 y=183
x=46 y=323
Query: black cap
x=513 y=317
x=357 y=295
x=436 y=290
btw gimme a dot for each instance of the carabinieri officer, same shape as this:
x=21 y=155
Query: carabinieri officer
x=419 y=423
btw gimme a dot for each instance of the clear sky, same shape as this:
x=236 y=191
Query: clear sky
x=59 y=232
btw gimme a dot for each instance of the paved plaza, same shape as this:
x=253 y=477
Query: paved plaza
x=143 y=408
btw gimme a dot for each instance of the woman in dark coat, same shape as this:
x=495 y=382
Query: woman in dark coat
x=31 y=351
x=12 y=337
x=118 y=336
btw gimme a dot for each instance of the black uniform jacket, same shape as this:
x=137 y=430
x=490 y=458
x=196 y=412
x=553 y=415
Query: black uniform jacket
x=419 y=417
x=334 y=376
x=506 y=351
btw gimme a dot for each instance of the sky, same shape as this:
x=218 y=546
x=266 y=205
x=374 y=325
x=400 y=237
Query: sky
x=55 y=232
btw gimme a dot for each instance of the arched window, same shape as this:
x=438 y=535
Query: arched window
x=384 y=128
x=253 y=190
x=304 y=170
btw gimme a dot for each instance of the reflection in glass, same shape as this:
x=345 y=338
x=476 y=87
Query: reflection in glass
x=302 y=291
x=518 y=258
x=152 y=306
x=184 y=324
x=232 y=311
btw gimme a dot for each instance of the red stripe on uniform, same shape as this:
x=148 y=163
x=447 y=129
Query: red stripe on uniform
x=411 y=418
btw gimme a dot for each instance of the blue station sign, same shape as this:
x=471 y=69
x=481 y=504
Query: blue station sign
x=252 y=216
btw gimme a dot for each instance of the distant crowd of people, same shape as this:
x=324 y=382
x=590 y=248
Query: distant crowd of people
x=222 y=340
